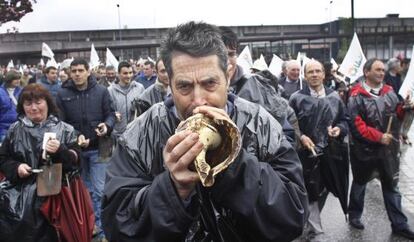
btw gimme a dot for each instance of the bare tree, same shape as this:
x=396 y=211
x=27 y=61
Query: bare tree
x=14 y=10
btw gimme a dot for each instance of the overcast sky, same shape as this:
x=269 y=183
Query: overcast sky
x=61 y=15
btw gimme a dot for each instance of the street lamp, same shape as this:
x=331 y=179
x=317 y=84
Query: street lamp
x=330 y=30
x=120 y=33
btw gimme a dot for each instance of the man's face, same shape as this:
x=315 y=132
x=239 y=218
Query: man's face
x=197 y=81
x=79 y=75
x=162 y=73
x=110 y=75
x=52 y=75
x=376 y=74
x=125 y=75
x=314 y=74
x=100 y=73
x=232 y=62
x=63 y=76
x=148 y=71
x=293 y=71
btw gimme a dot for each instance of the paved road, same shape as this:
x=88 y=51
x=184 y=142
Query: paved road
x=377 y=225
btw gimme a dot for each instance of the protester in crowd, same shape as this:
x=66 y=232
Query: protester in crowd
x=292 y=82
x=155 y=93
x=392 y=76
x=257 y=88
x=122 y=95
x=87 y=106
x=376 y=112
x=9 y=94
x=322 y=117
x=27 y=218
x=149 y=76
x=63 y=75
x=100 y=72
x=24 y=80
x=109 y=78
x=50 y=80
x=152 y=194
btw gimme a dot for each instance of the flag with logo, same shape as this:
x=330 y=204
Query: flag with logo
x=353 y=63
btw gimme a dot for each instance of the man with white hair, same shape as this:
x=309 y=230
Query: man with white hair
x=393 y=76
x=292 y=82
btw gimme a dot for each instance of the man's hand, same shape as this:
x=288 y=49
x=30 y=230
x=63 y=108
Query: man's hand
x=386 y=139
x=82 y=142
x=334 y=132
x=52 y=146
x=101 y=130
x=306 y=142
x=24 y=170
x=179 y=153
x=118 y=116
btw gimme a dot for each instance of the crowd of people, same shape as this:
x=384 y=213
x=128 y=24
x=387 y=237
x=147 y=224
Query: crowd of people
x=126 y=174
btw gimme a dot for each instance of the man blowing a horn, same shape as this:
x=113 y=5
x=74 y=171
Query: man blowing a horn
x=158 y=188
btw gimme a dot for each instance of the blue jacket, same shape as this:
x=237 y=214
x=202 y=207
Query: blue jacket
x=145 y=81
x=53 y=88
x=86 y=109
x=8 y=114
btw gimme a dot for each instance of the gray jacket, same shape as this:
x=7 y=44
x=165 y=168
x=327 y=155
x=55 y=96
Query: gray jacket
x=122 y=103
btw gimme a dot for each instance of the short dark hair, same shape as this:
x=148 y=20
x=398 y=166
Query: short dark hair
x=229 y=38
x=149 y=63
x=36 y=91
x=80 y=61
x=123 y=64
x=194 y=39
x=369 y=63
x=47 y=70
x=11 y=76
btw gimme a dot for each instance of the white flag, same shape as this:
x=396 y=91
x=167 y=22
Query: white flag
x=41 y=63
x=334 y=64
x=245 y=60
x=10 y=65
x=354 y=61
x=275 y=66
x=94 y=59
x=299 y=57
x=305 y=61
x=407 y=87
x=111 y=60
x=51 y=62
x=66 y=63
x=46 y=51
x=149 y=58
x=260 y=64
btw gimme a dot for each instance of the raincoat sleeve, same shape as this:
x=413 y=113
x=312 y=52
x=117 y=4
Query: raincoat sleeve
x=108 y=111
x=266 y=191
x=359 y=128
x=140 y=202
x=8 y=165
